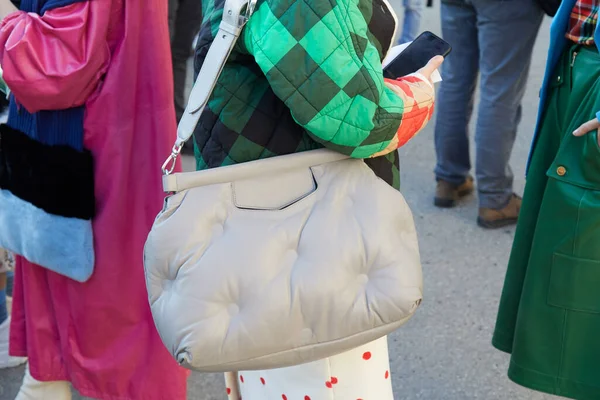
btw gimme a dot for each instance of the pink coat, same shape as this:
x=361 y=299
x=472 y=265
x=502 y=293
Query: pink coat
x=114 y=57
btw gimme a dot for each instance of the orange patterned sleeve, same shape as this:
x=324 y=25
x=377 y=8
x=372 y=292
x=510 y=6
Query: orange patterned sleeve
x=418 y=95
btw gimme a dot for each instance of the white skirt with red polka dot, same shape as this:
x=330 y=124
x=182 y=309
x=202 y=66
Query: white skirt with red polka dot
x=359 y=374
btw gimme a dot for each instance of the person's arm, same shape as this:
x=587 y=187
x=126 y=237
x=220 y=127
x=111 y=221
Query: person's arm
x=318 y=60
x=55 y=61
x=415 y=92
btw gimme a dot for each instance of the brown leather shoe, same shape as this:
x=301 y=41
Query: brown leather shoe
x=492 y=219
x=447 y=194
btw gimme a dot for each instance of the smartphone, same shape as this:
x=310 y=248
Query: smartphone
x=417 y=55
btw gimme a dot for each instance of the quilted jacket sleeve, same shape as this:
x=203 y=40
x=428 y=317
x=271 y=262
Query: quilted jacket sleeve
x=317 y=58
x=55 y=61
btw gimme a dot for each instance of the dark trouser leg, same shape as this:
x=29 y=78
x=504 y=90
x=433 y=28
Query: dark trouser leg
x=455 y=97
x=185 y=18
x=507 y=34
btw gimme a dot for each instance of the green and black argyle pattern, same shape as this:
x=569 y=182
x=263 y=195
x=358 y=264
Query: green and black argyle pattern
x=304 y=74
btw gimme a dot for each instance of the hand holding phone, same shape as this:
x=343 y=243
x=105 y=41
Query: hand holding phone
x=417 y=55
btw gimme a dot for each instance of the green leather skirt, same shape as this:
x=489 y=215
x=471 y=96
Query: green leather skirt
x=549 y=317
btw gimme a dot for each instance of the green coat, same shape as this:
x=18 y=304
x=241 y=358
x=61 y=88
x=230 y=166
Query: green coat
x=549 y=317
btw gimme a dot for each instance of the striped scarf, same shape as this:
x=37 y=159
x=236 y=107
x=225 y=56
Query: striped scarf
x=47 y=197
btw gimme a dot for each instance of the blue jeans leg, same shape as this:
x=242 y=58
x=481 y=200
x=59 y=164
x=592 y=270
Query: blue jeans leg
x=456 y=93
x=507 y=31
x=413 y=12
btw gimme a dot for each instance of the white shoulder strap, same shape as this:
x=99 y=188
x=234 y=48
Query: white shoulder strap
x=235 y=15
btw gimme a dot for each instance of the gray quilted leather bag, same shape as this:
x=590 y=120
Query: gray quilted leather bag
x=276 y=262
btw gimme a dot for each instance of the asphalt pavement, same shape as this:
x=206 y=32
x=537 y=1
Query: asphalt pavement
x=444 y=353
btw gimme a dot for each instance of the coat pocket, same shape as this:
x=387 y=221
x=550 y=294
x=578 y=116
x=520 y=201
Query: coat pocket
x=578 y=161
x=575 y=284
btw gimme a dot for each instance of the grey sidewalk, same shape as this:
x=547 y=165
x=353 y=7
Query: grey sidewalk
x=444 y=353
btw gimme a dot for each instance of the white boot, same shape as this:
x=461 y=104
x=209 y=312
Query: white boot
x=7 y=361
x=33 y=389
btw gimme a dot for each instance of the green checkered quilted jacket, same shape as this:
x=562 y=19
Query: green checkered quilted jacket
x=304 y=74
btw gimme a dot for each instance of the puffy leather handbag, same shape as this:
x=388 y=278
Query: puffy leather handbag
x=280 y=261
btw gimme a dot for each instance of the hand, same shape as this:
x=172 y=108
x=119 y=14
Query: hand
x=431 y=66
x=590 y=126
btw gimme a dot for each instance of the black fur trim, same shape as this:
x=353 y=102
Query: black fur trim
x=57 y=179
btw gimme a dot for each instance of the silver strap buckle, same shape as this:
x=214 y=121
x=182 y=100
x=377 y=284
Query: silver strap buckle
x=249 y=9
x=169 y=166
